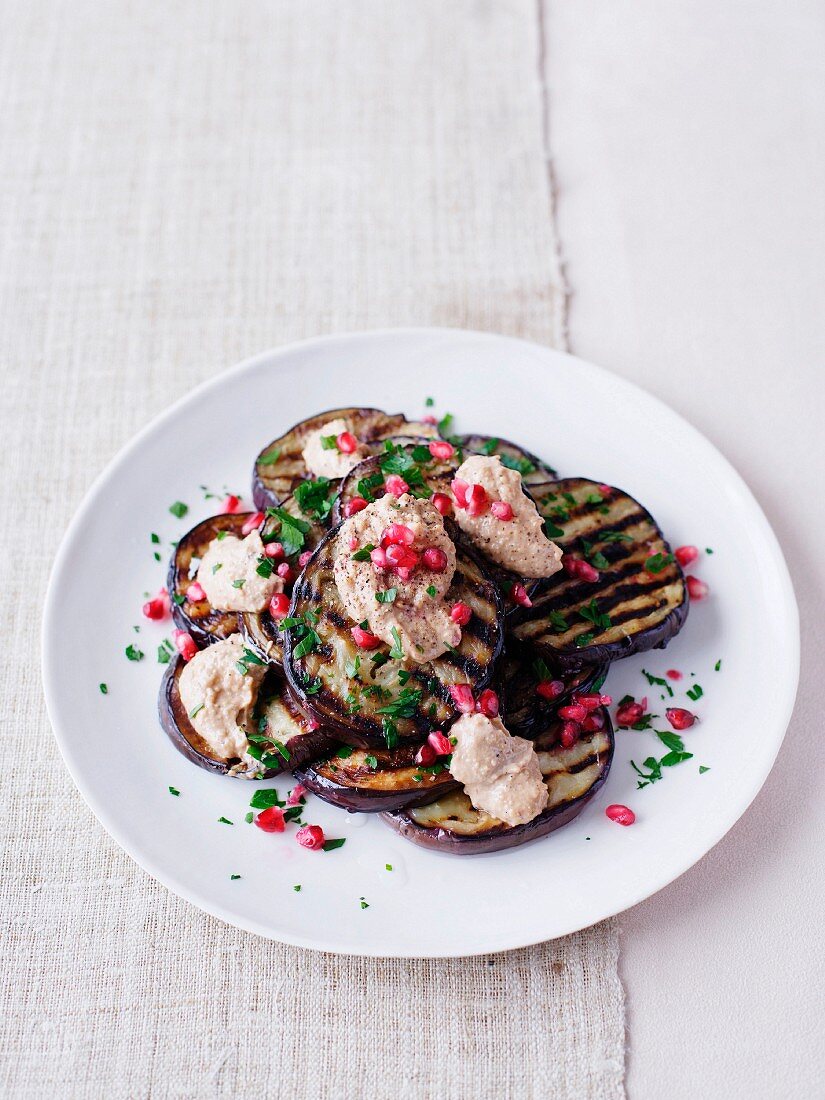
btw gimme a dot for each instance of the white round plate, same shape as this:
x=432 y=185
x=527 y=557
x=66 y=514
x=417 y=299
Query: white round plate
x=584 y=421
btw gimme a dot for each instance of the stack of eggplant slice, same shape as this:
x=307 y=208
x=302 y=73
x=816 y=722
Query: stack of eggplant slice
x=621 y=591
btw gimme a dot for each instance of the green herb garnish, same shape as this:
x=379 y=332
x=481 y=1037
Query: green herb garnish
x=336 y=842
x=387 y=595
x=329 y=442
x=133 y=653
x=225 y=821
x=397 y=651
x=694 y=692
x=591 y=614
x=104 y=689
x=179 y=509
x=657 y=562
x=174 y=791
x=270 y=458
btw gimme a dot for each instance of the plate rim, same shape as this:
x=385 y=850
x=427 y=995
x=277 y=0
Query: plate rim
x=275 y=358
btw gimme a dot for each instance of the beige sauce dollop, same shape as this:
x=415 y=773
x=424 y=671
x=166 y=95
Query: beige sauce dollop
x=218 y=698
x=421 y=618
x=228 y=574
x=520 y=543
x=500 y=773
x=330 y=462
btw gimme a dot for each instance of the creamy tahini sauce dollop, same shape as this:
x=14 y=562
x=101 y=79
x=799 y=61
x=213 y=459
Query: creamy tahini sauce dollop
x=421 y=619
x=330 y=462
x=228 y=574
x=218 y=698
x=500 y=773
x=520 y=543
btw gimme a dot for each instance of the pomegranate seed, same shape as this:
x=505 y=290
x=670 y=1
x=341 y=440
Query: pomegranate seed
x=631 y=713
x=569 y=734
x=279 y=606
x=253 y=523
x=570 y=565
x=296 y=794
x=574 y=711
x=440 y=744
x=434 y=559
x=550 y=689
x=680 y=718
x=271 y=820
x=398 y=534
x=462 y=696
x=378 y=557
x=428 y=419
x=284 y=571
x=502 y=510
x=346 y=443
x=697 y=590
x=426 y=755
x=590 y=700
x=459 y=489
x=477 y=500
x=396 y=486
x=460 y=613
x=155 y=609
x=194 y=593
x=686 y=554
x=518 y=594
x=594 y=721
x=353 y=542
x=356 y=504
x=230 y=505
x=312 y=837
x=185 y=644
x=363 y=639
x=622 y=815
x=304 y=558
x=441 y=449
x=673 y=674
x=442 y=503
x=312 y=723
x=587 y=573
x=274 y=551
x=605 y=490
x=488 y=703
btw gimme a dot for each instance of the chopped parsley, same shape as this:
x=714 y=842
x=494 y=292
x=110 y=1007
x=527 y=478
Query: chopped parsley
x=196 y=710
x=591 y=614
x=390 y=731
x=444 y=424
x=552 y=531
x=344 y=751
x=315 y=498
x=225 y=821
x=297 y=888
x=615 y=536
x=718 y=665
x=708 y=551
x=595 y=557
x=233 y=877
x=676 y=755
x=248 y=818
x=174 y=791
x=264 y=568
x=364 y=904
x=179 y=509
x=651 y=679
x=165 y=652
x=155 y=538
x=558 y=623
x=364 y=553
x=405 y=705
x=264 y=798
x=657 y=562
x=429 y=402
x=387 y=595
x=371 y=761
x=239 y=583
x=329 y=442
x=218 y=565
x=133 y=653
x=431 y=590
x=270 y=458
x=523 y=465
x=388 y=866
x=336 y=842
x=249 y=658
x=367 y=485
x=104 y=689
x=703 y=768
x=584 y=639
x=291 y=533
x=489 y=448
x=397 y=651
x=694 y=692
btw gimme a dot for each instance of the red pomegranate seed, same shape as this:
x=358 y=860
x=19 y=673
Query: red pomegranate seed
x=194 y=593
x=279 y=605
x=488 y=703
x=354 y=505
x=591 y=699
x=477 y=500
x=622 y=815
x=569 y=734
x=253 y=523
x=312 y=723
x=459 y=489
x=346 y=443
x=673 y=674
x=155 y=609
x=353 y=542
x=296 y=794
x=441 y=449
x=434 y=559
x=606 y=490
x=502 y=510
x=442 y=503
x=570 y=565
x=680 y=718
x=461 y=613
x=425 y=755
x=274 y=550
x=550 y=689
x=284 y=571
x=518 y=594
x=630 y=713
x=312 y=837
x=271 y=820
x=185 y=644
x=686 y=554
x=594 y=721
x=304 y=558
x=230 y=505
x=363 y=639
x=441 y=745
x=587 y=572
x=396 y=486
x=574 y=711
x=378 y=557
x=462 y=696
x=428 y=419
x=398 y=534
x=697 y=590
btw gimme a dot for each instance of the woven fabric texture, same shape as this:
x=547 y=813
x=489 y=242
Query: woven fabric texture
x=182 y=185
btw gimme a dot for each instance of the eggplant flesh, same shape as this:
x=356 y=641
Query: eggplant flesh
x=286 y=738
x=525 y=712
x=640 y=599
x=198 y=617
x=573 y=776
x=374 y=781
x=280 y=466
x=359 y=693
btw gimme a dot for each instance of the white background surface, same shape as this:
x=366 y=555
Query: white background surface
x=688 y=149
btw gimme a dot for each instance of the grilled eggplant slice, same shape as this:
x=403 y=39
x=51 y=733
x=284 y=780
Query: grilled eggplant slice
x=280 y=466
x=573 y=776
x=358 y=693
x=640 y=599
x=374 y=781
x=410 y=458
x=286 y=738
x=535 y=473
x=526 y=713
x=199 y=617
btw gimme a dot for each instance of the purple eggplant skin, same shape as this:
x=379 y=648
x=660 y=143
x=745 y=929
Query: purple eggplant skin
x=204 y=623
x=307 y=744
x=349 y=783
